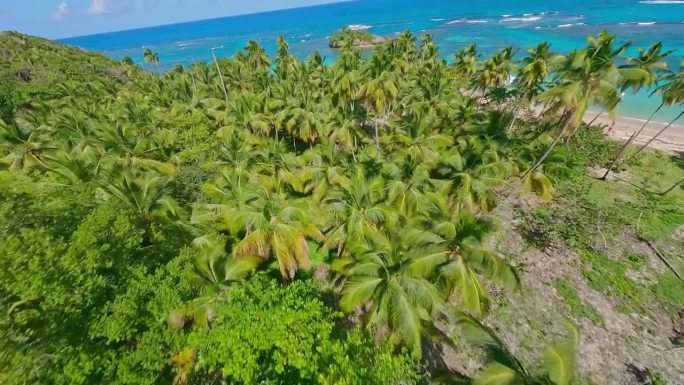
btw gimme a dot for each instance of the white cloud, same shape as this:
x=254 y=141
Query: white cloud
x=62 y=11
x=98 y=7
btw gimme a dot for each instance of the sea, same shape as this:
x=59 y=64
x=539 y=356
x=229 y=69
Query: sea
x=454 y=24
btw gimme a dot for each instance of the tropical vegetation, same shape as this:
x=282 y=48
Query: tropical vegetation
x=274 y=220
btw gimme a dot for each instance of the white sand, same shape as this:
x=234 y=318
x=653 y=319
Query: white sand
x=671 y=141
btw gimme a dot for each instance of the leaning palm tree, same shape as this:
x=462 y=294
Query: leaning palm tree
x=673 y=94
x=645 y=71
x=588 y=76
x=642 y=71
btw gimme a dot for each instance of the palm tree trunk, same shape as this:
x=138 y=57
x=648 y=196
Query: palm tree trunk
x=544 y=111
x=595 y=117
x=223 y=82
x=658 y=134
x=510 y=126
x=377 y=137
x=546 y=154
x=568 y=118
x=514 y=112
x=674 y=186
x=629 y=141
x=354 y=150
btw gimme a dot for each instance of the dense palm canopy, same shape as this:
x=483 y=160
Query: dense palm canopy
x=383 y=167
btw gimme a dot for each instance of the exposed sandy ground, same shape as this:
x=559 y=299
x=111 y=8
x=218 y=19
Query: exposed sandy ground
x=533 y=317
x=671 y=141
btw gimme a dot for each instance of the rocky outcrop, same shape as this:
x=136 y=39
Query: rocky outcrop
x=361 y=43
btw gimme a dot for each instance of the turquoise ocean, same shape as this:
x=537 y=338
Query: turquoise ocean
x=491 y=24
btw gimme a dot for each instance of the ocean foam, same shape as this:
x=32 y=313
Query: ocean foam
x=467 y=21
x=524 y=19
x=438 y=19
x=357 y=27
x=639 y=23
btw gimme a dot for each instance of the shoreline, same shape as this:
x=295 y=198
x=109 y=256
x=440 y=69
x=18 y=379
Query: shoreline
x=671 y=141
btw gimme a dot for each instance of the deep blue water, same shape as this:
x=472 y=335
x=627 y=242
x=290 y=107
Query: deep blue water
x=491 y=24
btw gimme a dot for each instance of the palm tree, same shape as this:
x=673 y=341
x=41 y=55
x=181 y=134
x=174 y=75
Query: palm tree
x=494 y=74
x=560 y=358
x=76 y=166
x=535 y=69
x=326 y=169
x=127 y=61
x=256 y=57
x=143 y=193
x=379 y=89
x=220 y=73
x=151 y=57
x=214 y=270
x=269 y=224
x=245 y=112
x=303 y=117
x=468 y=260
x=285 y=62
x=25 y=144
x=643 y=71
x=465 y=62
x=673 y=94
x=408 y=182
x=533 y=72
x=357 y=211
x=587 y=76
x=392 y=275
x=473 y=169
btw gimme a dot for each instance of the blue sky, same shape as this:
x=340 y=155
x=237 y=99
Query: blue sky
x=65 y=18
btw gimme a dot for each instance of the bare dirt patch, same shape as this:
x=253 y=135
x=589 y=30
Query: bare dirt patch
x=532 y=317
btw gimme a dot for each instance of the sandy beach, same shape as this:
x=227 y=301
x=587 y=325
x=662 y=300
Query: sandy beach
x=671 y=141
